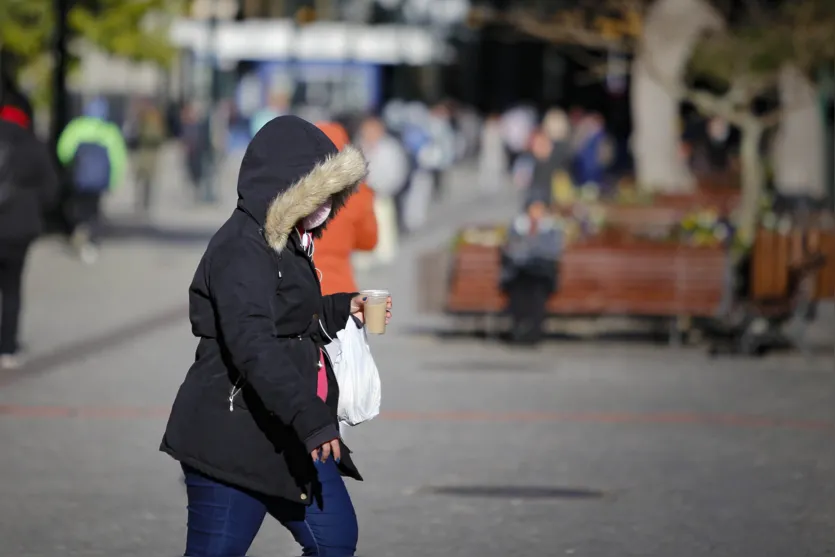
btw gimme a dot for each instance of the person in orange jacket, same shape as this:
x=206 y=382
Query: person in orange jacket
x=354 y=228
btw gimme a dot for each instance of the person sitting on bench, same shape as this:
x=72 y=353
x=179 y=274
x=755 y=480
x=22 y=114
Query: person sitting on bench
x=529 y=270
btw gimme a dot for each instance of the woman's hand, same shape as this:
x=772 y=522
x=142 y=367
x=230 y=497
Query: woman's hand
x=358 y=303
x=327 y=449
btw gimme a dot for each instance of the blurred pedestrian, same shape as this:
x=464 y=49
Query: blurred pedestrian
x=28 y=189
x=713 y=149
x=470 y=127
x=94 y=152
x=278 y=104
x=440 y=152
x=197 y=150
x=413 y=200
x=147 y=134
x=594 y=151
x=354 y=228
x=14 y=106
x=557 y=126
x=254 y=424
x=554 y=174
x=546 y=164
x=388 y=169
x=492 y=159
x=518 y=124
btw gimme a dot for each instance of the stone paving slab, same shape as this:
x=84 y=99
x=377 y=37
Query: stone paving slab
x=686 y=464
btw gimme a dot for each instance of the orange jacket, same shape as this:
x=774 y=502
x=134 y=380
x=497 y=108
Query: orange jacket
x=353 y=228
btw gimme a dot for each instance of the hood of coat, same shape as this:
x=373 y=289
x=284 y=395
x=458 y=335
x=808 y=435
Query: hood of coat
x=289 y=170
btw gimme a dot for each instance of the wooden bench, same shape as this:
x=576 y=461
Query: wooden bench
x=613 y=275
x=822 y=241
x=775 y=254
x=789 y=272
x=641 y=279
x=762 y=322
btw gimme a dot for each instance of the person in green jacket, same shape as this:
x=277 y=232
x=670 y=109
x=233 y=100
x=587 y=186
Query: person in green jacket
x=95 y=155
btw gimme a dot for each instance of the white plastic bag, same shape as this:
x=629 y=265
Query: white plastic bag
x=356 y=373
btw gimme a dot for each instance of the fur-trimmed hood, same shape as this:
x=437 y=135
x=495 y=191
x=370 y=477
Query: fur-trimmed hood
x=290 y=168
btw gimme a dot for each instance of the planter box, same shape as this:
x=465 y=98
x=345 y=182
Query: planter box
x=433 y=269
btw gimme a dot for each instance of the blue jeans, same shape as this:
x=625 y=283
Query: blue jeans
x=223 y=520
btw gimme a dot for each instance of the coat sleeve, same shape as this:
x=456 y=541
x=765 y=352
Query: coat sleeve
x=336 y=308
x=243 y=281
x=68 y=141
x=366 y=222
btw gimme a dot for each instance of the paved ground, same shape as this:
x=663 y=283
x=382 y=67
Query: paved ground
x=583 y=449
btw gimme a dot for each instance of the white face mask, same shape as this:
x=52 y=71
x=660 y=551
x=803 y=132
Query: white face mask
x=318 y=217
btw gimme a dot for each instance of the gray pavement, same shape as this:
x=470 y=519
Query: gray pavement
x=587 y=449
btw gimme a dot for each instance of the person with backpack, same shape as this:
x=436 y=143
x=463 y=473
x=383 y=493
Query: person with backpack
x=28 y=187
x=94 y=155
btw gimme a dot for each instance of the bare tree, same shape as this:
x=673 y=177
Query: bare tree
x=740 y=61
x=798 y=152
x=668 y=28
x=740 y=69
x=672 y=30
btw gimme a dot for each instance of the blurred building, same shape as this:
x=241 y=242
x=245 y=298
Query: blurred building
x=340 y=56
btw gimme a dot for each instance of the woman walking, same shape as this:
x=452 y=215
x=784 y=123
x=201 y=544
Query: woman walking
x=354 y=229
x=254 y=424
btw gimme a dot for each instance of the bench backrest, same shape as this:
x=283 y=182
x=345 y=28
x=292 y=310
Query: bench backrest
x=629 y=279
x=775 y=253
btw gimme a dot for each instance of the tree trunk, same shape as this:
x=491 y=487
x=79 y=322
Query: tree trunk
x=753 y=179
x=60 y=100
x=671 y=29
x=799 y=165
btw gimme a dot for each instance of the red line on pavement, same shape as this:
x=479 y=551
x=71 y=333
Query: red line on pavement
x=721 y=420
x=93 y=412
x=616 y=418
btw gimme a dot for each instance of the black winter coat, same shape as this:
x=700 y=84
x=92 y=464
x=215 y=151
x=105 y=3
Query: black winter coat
x=28 y=184
x=256 y=308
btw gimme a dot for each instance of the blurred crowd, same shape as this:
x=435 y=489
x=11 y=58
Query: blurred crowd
x=411 y=148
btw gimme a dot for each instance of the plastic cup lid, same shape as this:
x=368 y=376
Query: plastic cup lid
x=375 y=293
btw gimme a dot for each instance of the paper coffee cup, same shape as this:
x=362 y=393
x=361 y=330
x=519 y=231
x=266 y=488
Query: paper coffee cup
x=374 y=310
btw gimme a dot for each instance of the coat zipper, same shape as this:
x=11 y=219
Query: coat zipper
x=236 y=388
x=233 y=393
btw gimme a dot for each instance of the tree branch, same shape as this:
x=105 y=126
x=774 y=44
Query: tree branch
x=773 y=118
x=712 y=105
x=566 y=33
x=705 y=102
x=735 y=106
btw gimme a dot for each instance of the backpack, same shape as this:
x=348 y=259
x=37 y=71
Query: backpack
x=91 y=168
